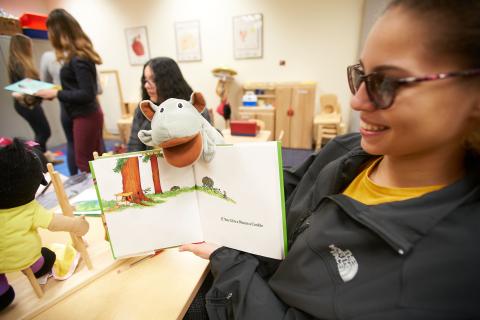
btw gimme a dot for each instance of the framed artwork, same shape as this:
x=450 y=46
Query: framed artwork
x=137 y=45
x=187 y=34
x=248 y=36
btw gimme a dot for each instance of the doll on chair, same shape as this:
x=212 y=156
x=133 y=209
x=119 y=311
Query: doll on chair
x=20 y=215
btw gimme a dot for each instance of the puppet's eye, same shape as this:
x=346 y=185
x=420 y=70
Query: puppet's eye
x=161 y=109
x=180 y=105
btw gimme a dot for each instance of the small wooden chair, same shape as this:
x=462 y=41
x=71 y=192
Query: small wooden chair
x=328 y=123
x=33 y=281
x=67 y=210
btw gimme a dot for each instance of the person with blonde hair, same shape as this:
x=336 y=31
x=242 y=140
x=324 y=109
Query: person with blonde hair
x=21 y=66
x=78 y=96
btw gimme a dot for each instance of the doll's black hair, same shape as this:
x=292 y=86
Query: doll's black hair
x=21 y=173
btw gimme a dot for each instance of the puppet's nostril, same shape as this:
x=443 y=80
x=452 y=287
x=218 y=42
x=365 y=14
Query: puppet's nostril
x=180 y=105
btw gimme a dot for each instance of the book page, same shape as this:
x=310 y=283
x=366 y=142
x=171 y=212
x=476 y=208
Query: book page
x=241 y=198
x=147 y=204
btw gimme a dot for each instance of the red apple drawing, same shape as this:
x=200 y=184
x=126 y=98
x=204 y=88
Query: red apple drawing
x=137 y=46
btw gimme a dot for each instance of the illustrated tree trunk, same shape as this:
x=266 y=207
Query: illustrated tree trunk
x=155 y=174
x=131 y=180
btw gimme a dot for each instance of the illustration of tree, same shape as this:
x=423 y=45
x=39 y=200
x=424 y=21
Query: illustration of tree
x=155 y=171
x=207 y=182
x=130 y=170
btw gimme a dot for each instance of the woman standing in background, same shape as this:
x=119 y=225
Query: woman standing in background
x=20 y=66
x=161 y=80
x=78 y=77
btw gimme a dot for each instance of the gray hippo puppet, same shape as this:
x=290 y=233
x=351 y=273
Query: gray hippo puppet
x=180 y=130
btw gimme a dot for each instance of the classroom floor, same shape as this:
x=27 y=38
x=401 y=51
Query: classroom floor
x=291 y=157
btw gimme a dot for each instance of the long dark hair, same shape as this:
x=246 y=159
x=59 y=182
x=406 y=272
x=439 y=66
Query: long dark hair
x=68 y=37
x=455 y=26
x=169 y=80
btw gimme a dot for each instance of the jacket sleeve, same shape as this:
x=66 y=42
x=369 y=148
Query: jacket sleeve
x=240 y=292
x=138 y=123
x=85 y=74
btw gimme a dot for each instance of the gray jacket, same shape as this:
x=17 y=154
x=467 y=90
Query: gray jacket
x=412 y=259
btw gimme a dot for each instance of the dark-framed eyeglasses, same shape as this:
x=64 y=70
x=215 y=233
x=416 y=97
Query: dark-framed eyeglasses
x=381 y=89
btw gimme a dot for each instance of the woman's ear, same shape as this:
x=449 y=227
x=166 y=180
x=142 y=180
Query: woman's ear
x=197 y=100
x=148 y=109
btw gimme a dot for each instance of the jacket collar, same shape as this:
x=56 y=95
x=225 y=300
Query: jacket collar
x=403 y=223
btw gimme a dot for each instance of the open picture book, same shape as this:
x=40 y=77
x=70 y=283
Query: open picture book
x=29 y=86
x=236 y=200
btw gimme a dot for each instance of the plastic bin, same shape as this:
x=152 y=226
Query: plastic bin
x=34 y=21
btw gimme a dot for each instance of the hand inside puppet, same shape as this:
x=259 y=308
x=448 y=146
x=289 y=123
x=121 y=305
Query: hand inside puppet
x=21 y=173
x=180 y=130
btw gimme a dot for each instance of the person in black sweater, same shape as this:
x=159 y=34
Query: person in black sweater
x=20 y=66
x=78 y=77
x=161 y=80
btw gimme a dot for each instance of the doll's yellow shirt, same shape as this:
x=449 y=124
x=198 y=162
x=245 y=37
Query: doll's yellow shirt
x=20 y=243
x=367 y=192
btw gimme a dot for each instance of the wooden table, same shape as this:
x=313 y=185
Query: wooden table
x=263 y=135
x=160 y=287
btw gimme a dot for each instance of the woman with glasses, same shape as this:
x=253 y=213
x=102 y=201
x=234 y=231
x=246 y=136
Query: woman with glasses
x=383 y=224
x=161 y=80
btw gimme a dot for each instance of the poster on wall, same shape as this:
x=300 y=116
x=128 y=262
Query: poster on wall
x=248 y=36
x=137 y=45
x=187 y=34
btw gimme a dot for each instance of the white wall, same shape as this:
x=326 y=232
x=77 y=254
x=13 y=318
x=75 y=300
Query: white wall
x=316 y=38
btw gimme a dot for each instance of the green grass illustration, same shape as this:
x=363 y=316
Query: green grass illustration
x=154 y=199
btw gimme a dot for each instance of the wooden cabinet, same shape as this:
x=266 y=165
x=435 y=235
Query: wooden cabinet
x=294 y=108
x=287 y=107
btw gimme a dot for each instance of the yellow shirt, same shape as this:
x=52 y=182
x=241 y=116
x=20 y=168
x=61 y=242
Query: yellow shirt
x=367 y=192
x=20 y=243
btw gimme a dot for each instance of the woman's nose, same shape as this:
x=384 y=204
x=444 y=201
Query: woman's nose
x=360 y=101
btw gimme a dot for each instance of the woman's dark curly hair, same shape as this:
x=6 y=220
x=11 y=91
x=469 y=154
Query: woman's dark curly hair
x=168 y=80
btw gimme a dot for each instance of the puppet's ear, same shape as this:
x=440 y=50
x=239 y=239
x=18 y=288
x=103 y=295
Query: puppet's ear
x=197 y=100
x=148 y=109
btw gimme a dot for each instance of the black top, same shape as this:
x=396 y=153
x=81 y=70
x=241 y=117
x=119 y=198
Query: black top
x=79 y=87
